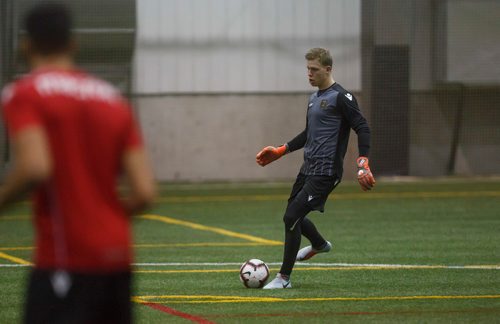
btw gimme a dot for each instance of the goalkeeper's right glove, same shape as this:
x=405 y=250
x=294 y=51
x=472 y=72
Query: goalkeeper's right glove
x=269 y=154
x=365 y=176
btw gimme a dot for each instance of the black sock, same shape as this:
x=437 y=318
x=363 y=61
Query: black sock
x=311 y=233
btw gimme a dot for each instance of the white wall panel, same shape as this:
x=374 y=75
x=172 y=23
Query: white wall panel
x=199 y=46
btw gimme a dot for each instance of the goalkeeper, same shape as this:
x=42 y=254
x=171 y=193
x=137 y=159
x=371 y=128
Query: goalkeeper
x=331 y=113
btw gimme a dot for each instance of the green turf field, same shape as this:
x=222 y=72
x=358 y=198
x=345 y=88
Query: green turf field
x=426 y=252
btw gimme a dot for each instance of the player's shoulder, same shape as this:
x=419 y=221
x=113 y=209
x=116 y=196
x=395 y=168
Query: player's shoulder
x=22 y=86
x=343 y=94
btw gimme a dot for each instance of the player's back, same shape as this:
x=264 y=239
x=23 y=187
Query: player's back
x=81 y=224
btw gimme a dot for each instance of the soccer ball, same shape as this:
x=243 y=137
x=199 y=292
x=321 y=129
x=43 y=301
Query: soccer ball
x=254 y=273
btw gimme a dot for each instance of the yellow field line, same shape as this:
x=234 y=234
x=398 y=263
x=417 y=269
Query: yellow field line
x=339 y=196
x=220 y=198
x=17 y=248
x=210 y=244
x=138 y=300
x=187 y=271
x=217 y=230
x=14 y=259
x=207 y=299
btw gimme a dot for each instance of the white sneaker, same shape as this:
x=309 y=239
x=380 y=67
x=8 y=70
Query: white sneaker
x=278 y=283
x=308 y=252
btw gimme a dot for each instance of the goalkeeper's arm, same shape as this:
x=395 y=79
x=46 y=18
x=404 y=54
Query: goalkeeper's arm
x=270 y=153
x=297 y=142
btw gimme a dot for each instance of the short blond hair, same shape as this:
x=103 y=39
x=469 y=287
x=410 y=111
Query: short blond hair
x=324 y=56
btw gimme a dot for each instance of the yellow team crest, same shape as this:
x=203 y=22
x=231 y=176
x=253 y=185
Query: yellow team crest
x=323 y=104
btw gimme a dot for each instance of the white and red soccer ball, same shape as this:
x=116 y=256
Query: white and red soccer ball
x=254 y=273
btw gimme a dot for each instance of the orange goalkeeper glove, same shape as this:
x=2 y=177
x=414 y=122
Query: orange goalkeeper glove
x=365 y=176
x=269 y=154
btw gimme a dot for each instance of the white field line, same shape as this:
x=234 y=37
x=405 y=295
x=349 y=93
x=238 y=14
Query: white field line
x=14 y=265
x=346 y=265
x=341 y=265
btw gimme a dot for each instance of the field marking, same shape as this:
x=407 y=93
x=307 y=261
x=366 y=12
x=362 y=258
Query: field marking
x=16 y=248
x=221 y=231
x=342 y=268
x=15 y=259
x=3 y=265
x=174 y=312
x=335 y=196
x=201 y=244
x=298 y=266
x=209 y=299
x=189 y=271
x=342 y=265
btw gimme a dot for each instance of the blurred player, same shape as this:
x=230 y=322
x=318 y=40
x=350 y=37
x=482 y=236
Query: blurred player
x=331 y=113
x=72 y=136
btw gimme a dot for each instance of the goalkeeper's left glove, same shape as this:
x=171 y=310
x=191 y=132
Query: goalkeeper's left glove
x=269 y=154
x=365 y=176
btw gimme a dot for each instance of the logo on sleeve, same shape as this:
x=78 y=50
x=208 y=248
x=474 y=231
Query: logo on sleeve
x=310 y=105
x=348 y=96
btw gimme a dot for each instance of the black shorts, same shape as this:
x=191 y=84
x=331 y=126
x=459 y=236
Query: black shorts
x=64 y=297
x=313 y=190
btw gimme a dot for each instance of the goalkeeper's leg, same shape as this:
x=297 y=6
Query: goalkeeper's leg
x=318 y=243
x=310 y=231
x=296 y=210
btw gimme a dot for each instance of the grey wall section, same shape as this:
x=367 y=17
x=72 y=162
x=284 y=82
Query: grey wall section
x=239 y=46
x=216 y=137
x=204 y=138
x=473 y=44
x=433 y=118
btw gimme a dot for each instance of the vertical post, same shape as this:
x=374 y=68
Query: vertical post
x=6 y=66
x=385 y=45
x=390 y=109
x=439 y=37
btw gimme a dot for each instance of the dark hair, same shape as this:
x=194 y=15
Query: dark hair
x=49 y=26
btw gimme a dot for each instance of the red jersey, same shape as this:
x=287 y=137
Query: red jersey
x=80 y=223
